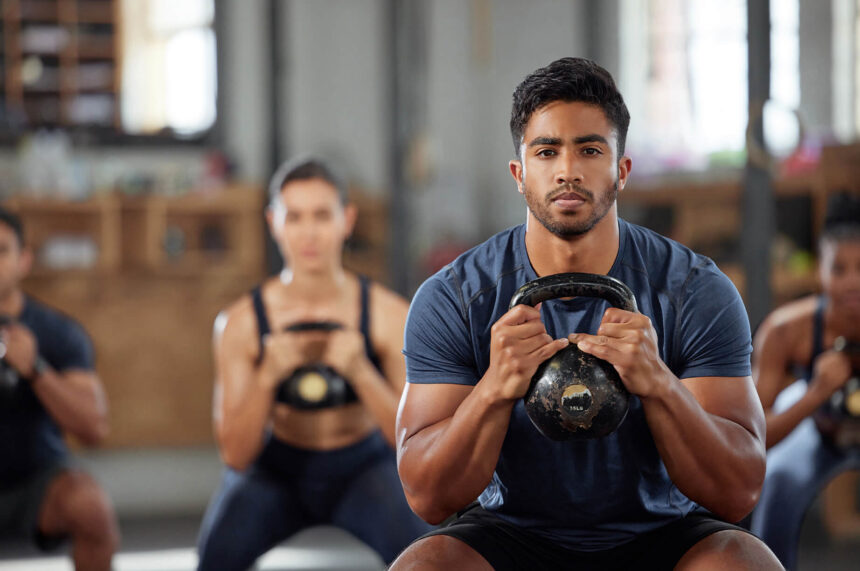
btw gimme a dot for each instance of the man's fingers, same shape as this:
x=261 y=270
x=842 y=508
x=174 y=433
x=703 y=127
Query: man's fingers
x=615 y=315
x=521 y=313
x=550 y=349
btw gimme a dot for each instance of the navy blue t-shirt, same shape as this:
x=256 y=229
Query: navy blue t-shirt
x=585 y=494
x=29 y=437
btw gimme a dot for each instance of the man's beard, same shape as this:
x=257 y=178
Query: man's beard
x=540 y=208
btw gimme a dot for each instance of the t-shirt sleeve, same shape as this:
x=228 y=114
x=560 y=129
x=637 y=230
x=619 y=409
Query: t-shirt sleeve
x=70 y=348
x=713 y=330
x=437 y=343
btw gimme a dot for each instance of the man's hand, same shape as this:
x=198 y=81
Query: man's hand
x=518 y=344
x=831 y=370
x=21 y=348
x=628 y=341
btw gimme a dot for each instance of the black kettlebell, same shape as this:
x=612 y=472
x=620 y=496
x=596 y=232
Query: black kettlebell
x=315 y=385
x=574 y=394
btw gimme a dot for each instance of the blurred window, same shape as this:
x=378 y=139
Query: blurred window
x=856 y=70
x=168 y=67
x=684 y=73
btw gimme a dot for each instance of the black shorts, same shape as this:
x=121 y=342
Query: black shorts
x=508 y=547
x=20 y=507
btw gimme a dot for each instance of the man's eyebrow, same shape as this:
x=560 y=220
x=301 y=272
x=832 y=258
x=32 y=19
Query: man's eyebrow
x=537 y=141
x=593 y=138
x=555 y=141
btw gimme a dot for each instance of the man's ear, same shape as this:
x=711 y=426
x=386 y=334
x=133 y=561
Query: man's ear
x=25 y=262
x=625 y=165
x=516 y=167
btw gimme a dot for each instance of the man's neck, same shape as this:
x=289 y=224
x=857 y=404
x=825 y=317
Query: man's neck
x=12 y=303
x=593 y=252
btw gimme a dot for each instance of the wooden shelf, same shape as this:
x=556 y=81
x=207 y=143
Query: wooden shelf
x=707 y=215
x=150 y=314
x=71 y=34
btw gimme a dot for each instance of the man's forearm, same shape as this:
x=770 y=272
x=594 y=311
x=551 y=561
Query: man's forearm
x=714 y=461
x=447 y=465
x=76 y=403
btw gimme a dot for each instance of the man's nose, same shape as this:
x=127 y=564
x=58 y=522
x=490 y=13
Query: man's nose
x=569 y=171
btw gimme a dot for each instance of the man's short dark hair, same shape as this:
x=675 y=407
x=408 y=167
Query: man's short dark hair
x=569 y=79
x=305 y=168
x=842 y=218
x=13 y=221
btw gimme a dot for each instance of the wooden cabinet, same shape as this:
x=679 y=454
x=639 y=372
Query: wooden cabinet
x=149 y=299
x=60 y=63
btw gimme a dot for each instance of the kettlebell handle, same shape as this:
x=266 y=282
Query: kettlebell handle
x=576 y=284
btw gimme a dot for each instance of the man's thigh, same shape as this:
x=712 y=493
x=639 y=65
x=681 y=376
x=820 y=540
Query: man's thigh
x=20 y=506
x=440 y=552
x=75 y=504
x=729 y=549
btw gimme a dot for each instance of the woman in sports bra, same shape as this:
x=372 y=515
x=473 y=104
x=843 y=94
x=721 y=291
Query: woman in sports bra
x=813 y=429
x=309 y=373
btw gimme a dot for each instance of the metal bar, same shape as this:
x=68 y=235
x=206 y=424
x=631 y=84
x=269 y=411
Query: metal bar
x=758 y=211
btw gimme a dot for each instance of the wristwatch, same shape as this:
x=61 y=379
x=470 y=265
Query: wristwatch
x=40 y=365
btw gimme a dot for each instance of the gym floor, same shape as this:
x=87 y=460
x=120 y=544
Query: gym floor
x=166 y=543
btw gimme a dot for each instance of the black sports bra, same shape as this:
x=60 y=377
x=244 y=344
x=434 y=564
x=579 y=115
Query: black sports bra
x=264 y=328
x=817 y=337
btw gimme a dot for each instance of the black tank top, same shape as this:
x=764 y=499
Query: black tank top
x=364 y=320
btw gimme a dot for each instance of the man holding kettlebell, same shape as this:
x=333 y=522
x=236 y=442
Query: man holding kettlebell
x=661 y=491
x=48 y=388
x=308 y=377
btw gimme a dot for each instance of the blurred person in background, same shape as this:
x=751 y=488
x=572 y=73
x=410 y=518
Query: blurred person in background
x=813 y=424
x=314 y=450
x=48 y=388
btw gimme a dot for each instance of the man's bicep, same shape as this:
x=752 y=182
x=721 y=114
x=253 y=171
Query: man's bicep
x=713 y=334
x=732 y=398
x=425 y=404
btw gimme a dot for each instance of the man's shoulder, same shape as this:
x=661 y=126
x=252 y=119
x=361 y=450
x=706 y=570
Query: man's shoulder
x=483 y=266
x=41 y=315
x=667 y=263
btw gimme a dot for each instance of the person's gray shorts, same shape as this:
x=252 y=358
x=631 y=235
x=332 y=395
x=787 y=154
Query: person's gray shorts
x=20 y=506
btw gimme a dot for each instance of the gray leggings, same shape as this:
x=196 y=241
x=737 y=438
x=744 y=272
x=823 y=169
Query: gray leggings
x=798 y=469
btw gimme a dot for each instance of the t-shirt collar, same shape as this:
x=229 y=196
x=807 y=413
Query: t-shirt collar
x=523 y=255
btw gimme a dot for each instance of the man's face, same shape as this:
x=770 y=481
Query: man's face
x=310 y=224
x=568 y=170
x=13 y=261
x=839 y=268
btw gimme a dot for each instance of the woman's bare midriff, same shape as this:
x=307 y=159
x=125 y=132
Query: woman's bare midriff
x=326 y=429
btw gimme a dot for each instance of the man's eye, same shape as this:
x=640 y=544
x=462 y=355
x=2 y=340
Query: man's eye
x=592 y=151
x=546 y=153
